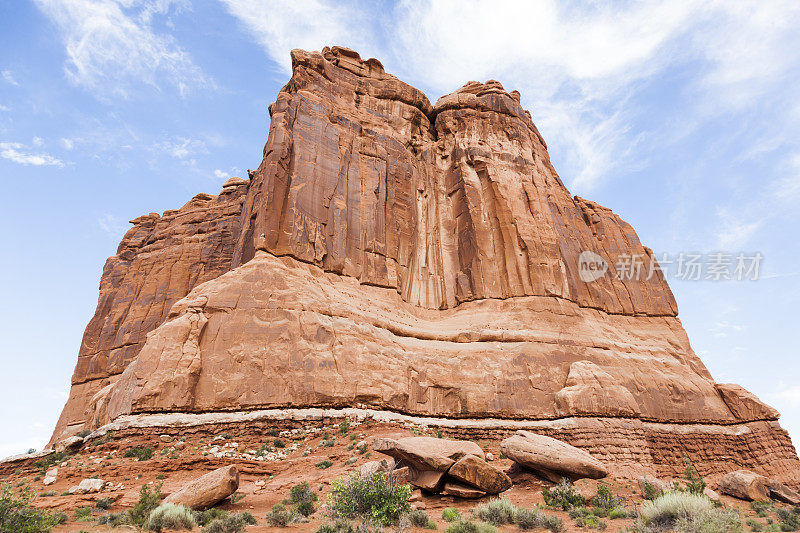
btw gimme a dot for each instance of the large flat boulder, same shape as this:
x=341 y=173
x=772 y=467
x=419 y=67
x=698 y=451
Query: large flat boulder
x=478 y=473
x=745 y=485
x=207 y=490
x=551 y=457
x=462 y=491
x=427 y=453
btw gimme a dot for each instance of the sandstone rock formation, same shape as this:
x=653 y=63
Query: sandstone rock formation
x=551 y=458
x=411 y=258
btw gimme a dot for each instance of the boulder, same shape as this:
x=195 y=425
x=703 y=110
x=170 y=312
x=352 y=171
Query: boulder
x=711 y=494
x=550 y=457
x=779 y=491
x=462 y=491
x=476 y=472
x=428 y=480
x=51 y=476
x=207 y=490
x=69 y=445
x=373 y=467
x=427 y=453
x=87 y=486
x=745 y=485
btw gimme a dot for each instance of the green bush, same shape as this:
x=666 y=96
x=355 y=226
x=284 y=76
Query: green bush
x=695 y=484
x=140 y=453
x=343 y=526
x=762 y=508
x=373 y=498
x=605 y=499
x=83 y=514
x=552 y=523
x=420 y=518
x=169 y=516
x=451 y=514
x=327 y=463
x=45 y=463
x=498 y=511
x=527 y=518
x=122 y=518
x=344 y=427
x=562 y=496
x=148 y=500
x=280 y=516
x=650 y=491
x=716 y=521
x=754 y=524
x=618 y=512
x=278 y=443
x=17 y=515
x=104 y=503
x=303 y=498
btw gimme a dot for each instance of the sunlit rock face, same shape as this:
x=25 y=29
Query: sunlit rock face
x=422 y=259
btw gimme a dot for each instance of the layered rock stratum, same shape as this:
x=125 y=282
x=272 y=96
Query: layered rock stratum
x=393 y=256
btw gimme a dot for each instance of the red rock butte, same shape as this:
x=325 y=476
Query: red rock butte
x=404 y=259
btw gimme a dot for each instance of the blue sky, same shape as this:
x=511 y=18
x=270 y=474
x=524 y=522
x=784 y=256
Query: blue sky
x=683 y=117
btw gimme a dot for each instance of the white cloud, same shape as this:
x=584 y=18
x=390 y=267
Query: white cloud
x=17 y=153
x=735 y=228
x=181 y=147
x=38 y=141
x=8 y=76
x=111 y=46
x=221 y=175
x=787 y=394
x=112 y=225
x=67 y=144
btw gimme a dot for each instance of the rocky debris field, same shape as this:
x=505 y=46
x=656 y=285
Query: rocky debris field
x=251 y=469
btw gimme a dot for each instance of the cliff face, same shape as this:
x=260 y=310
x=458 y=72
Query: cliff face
x=423 y=259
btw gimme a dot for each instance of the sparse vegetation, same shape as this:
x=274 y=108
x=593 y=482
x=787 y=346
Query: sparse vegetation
x=374 y=498
x=650 y=491
x=169 y=516
x=229 y=523
x=45 y=463
x=303 y=499
x=789 y=518
x=451 y=514
x=344 y=427
x=278 y=443
x=463 y=526
x=18 y=516
x=327 y=463
x=83 y=514
x=280 y=516
x=104 y=503
x=140 y=453
x=498 y=512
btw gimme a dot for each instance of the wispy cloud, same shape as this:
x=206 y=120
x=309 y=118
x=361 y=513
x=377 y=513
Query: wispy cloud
x=18 y=153
x=8 y=77
x=181 y=147
x=112 y=225
x=112 y=47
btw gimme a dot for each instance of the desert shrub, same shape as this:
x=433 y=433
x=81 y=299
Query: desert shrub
x=344 y=427
x=140 y=453
x=715 y=521
x=463 y=526
x=420 y=518
x=230 y=523
x=789 y=519
x=343 y=526
x=169 y=516
x=327 y=463
x=761 y=508
x=83 y=514
x=47 y=493
x=148 y=500
x=695 y=484
x=303 y=498
x=498 y=511
x=562 y=496
x=617 y=513
x=205 y=517
x=113 y=520
x=278 y=443
x=552 y=523
x=104 y=503
x=527 y=518
x=686 y=512
x=605 y=499
x=17 y=515
x=754 y=524
x=274 y=432
x=451 y=514
x=280 y=516
x=374 y=497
